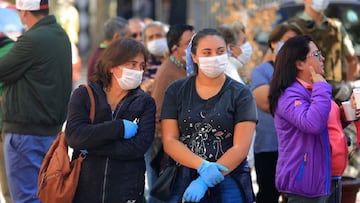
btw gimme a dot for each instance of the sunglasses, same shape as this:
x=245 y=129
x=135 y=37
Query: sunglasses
x=134 y=35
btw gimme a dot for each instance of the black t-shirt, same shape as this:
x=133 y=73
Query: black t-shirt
x=207 y=126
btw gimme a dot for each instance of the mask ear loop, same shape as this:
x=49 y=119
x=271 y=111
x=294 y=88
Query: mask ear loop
x=189 y=60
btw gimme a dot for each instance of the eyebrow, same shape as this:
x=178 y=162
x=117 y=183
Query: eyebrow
x=208 y=49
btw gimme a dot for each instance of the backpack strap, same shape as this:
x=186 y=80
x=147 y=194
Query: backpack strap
x=92 y=102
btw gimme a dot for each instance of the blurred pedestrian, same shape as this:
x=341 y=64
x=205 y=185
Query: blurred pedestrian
x=154 y=35
x=68 y=17
x=265 y=143
x=208 y=121
x=333 y=42
x=239 y=48
x=136 y=26
x=122 y=131
x=114 y=28
x=173 y=68
x=5 y=45
x=300 y=100
x=36 y=77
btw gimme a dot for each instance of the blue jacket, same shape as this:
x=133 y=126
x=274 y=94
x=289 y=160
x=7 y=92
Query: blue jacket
x=304 y=165
x=114 y=168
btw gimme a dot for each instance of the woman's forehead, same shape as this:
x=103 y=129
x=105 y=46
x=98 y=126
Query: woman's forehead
x=211 y=41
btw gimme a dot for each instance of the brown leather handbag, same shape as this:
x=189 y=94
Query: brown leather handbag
x=58 y=176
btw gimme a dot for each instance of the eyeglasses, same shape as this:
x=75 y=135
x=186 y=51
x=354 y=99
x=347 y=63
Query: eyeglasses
x=316 y=54
x=134 y=35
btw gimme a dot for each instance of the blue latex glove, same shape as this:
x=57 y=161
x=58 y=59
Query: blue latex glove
x=211 y=172
x=195 y=191
x=130 y=129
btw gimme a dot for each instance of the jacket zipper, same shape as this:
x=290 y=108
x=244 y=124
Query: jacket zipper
x=327 y=160
x=302 y=166
x=105 y=179
x=107 y=159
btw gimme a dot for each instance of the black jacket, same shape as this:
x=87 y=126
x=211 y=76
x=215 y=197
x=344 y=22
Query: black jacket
x=114 y=168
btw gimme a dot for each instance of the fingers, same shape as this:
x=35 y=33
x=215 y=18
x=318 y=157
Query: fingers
x=316 y=77
x=352 y=101
x=222 y=168
x=312 y=71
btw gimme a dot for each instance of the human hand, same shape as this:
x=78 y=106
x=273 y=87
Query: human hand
x=211 y=172
x=316 y=77
x=130 y=129
x=195 y=191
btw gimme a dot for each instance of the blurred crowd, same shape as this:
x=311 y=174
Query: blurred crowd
x=176 y=95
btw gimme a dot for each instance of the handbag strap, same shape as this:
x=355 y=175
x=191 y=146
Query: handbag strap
x=92 y=102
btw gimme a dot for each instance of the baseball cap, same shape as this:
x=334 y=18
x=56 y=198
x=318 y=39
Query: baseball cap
x=32 y=5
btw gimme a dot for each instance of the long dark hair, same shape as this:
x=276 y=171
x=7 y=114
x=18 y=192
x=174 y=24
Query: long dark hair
x=285 y=69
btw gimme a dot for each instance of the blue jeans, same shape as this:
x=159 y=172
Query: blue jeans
x=230 y=191
x=23 y=158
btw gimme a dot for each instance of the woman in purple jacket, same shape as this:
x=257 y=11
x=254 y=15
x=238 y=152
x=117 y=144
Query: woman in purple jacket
x=300 y=100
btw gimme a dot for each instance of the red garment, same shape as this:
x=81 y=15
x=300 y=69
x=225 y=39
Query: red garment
x=338 y=144
x=93 y=60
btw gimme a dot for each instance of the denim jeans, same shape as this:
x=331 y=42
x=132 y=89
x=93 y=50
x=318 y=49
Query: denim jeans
x=23 y=157
x=230 y=191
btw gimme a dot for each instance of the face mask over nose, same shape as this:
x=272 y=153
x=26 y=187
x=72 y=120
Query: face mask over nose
x=130 y=79
x=157 y=47
x=319 y=5
x=247 y=50
x=213 y=66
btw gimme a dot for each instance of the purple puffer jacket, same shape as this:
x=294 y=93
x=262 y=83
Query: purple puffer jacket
x=304 y=165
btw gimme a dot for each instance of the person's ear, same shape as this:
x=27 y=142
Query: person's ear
x=273 y=46
x=194 y=58
x=174 y=48
x=300 y=64
x=116 y=36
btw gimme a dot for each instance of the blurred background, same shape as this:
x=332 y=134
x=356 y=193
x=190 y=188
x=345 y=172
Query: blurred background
x=258 y=16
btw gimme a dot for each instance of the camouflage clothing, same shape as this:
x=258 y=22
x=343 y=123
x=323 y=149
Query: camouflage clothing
x=332 y=40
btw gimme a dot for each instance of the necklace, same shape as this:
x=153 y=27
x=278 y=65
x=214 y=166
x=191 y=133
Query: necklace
x=177 y=63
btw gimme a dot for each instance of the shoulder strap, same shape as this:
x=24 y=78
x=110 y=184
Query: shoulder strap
x=92 y=102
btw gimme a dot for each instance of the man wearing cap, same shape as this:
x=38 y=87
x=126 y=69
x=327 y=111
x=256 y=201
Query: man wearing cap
x=36 y=74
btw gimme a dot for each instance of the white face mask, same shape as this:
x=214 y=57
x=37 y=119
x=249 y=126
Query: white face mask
x=130 y=79
x=157 y=47
x=213 y=66
x=246 y=49
x=319 y=5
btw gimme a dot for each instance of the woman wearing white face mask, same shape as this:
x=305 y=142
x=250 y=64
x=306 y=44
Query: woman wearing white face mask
x=239 y=48
x=123 y=127
x=208 y=121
